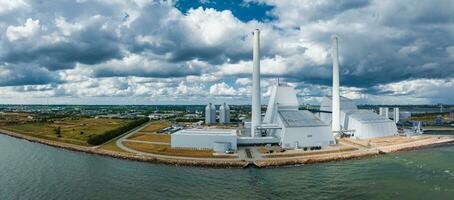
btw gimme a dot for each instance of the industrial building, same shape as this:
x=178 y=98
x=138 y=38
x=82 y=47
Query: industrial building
x=284 y=123
x=220 y=140
x=361 y=124
x=295 y=128
x=210 y=114
x=344 y=116
x=224 y=114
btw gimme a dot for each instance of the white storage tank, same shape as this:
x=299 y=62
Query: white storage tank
x=209 y=114
x=224 y=114
x=213 y=114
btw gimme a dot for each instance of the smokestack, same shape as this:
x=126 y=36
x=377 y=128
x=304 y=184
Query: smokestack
x=396 y=115
x=256 y=105
x=386 y=112
x=381 y=111
x=335 y=124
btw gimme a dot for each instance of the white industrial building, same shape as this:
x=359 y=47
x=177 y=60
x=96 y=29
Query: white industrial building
x=224 y=114
x=210 y=114
x=219 y=140
x=361 y=124
x=295 y=128
x=284 y=123
x=344 y=116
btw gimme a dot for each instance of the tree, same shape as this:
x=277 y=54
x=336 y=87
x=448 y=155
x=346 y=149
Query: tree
x=58 y=131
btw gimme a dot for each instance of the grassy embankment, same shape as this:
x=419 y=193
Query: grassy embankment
x=74 y=130
x=144 y=135
x=167 y=150
x=149 y=134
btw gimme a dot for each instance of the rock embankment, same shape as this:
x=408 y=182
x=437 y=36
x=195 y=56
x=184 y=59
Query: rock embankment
x=429 y=141
x=130 y=156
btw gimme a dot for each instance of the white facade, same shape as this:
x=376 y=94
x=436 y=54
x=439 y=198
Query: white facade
x=298 y=128
x=396 y=115
x=204 y=139
x=368 y=124
x=213 y=114
x=210 y=115
x=362 y=124
x=326 y=105
x=224 y=114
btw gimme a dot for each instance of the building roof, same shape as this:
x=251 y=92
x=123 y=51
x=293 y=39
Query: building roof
x=366 y=116
x=207 y=131
x=345 y=103
x=299 y=118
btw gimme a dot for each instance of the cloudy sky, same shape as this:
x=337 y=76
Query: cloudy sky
x=192 y=52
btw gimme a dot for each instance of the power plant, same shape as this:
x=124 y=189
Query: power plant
x=344 y=116
x=284 y=124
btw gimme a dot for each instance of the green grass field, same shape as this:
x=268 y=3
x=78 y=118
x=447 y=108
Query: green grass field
x=73 y=130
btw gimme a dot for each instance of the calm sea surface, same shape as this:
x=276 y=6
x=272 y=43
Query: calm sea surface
x=35 y=171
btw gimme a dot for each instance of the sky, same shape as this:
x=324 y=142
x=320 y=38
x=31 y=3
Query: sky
x=195 y=52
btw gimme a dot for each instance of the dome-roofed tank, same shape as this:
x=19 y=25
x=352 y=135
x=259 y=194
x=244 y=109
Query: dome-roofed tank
x=224 y=114
x=213 y=114
x=209 y=114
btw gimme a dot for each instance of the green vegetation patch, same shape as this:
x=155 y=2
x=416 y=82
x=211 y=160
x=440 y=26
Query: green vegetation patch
x=110 y=134
x=75 y=130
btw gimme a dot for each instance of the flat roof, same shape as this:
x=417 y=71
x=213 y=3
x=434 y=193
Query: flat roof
x=207 y=131
x=299 y=118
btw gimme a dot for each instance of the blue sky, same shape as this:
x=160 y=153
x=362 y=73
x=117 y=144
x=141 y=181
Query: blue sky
x=192 y=52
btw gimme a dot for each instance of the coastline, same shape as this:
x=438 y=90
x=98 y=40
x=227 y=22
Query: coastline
x=129 y=156
x=231 y=163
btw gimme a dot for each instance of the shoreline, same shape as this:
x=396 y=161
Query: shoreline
x=231 y=163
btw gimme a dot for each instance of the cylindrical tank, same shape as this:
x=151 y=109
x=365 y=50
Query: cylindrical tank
x=208 y=114
x=396 y=115
x=213 y=114
x=224 y=114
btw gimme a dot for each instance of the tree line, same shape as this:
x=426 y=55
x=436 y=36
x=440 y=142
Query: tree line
x=108 y=135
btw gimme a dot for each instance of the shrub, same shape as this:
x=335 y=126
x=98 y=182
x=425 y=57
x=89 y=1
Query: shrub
x=57 y=131
x=108 y=135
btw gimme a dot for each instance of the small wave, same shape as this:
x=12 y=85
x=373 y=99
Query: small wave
x=450 y=173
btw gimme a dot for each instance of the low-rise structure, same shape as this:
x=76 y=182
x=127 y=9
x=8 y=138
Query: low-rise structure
x=361 y=124
x=219 y=140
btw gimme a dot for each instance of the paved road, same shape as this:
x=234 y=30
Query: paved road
x=146 y=142
x=256 y=155
x=120 y=145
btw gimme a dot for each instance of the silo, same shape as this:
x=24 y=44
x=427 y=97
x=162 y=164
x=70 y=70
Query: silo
x=381 y=111
x=386 y=112
x=213 y=114
x=224 y=114
x=208 y=114
x=396 y=115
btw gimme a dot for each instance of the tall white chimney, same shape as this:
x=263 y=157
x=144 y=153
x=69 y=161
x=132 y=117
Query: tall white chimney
x=335 y=124
x=256 y=105
x=386 y=112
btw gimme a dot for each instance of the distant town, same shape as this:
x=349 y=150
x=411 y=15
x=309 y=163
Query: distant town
x=430 y=115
